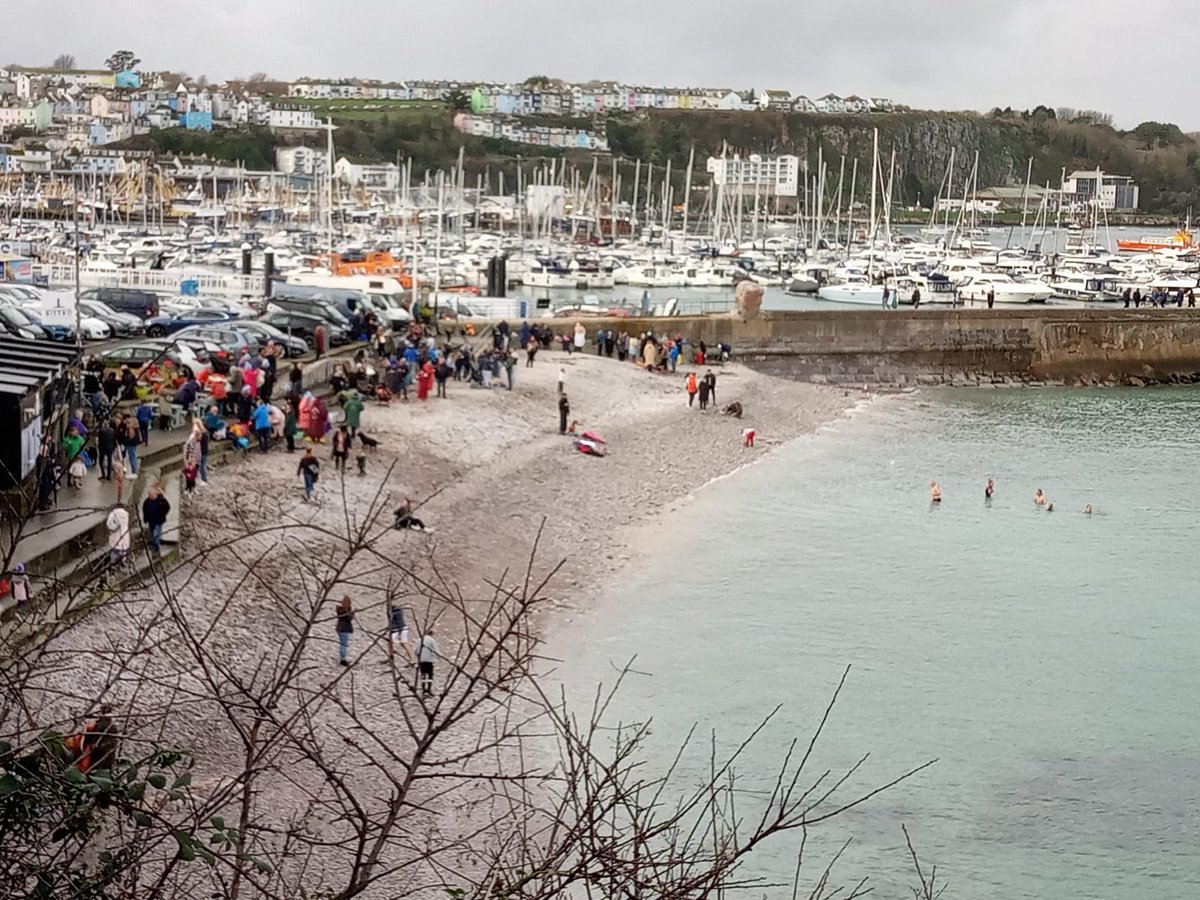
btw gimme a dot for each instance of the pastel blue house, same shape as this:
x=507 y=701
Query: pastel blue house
x=194 y=120
x=130 y=80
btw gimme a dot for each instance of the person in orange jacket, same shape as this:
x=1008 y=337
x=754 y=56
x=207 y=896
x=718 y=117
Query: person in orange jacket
x=691 y=388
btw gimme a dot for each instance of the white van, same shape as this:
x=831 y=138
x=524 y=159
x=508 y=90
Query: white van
x=386 y=295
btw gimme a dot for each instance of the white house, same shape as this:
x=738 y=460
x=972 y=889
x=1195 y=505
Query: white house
x=287 y=115
x=830 y=103
x=779 y=100
x=371 y=177
x=1093 y=186
x=730 y=100
x=301 y=160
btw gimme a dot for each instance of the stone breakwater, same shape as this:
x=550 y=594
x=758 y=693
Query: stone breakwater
x=900 y=348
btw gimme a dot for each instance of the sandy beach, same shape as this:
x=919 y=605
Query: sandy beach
x=486 y=468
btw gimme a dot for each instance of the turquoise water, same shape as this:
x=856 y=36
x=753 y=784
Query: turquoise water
x=1048 y=660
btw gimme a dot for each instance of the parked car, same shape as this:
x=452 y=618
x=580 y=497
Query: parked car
x=292 y=346
x=304 y=326
x=122 y=324
x=309 y=306
x=229 y=336
x=15 y=322
x=187 y=357
x=60 y=324
x=54 y=312
x=160 y=326
x=143 y=304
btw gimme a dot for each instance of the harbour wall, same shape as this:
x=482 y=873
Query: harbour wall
x=943 y=346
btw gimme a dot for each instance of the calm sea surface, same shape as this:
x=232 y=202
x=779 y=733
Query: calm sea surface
x=1048 y=660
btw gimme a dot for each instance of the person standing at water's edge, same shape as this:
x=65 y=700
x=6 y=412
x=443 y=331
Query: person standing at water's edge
x=564 y=410
x=398 y=632
x=989 y=490
x=345 y=628
x=935 y=492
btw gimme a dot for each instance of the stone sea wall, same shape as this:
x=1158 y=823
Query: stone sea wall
x=942 y=346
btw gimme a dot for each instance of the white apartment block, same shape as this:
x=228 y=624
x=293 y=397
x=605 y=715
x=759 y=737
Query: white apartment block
x=772 y=175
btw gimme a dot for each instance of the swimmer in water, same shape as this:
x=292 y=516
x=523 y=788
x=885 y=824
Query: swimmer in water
x=1050 y=508
x=935 y=492
x=1087 y=510
x=1039 y=499
x=989 y=490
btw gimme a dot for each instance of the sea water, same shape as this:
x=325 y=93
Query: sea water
x=1047 y=660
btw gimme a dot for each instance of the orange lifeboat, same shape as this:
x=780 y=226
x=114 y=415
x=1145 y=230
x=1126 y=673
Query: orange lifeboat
x=376 y=262
x=1180 y=240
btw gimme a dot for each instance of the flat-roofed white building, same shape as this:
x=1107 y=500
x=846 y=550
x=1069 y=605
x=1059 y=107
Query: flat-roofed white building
x=772 y=175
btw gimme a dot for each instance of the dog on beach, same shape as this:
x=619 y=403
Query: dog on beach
x=361 y=461
x=368 y=442
x=571 y=427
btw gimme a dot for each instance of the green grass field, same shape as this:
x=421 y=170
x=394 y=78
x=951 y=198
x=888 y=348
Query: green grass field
x=362 y=110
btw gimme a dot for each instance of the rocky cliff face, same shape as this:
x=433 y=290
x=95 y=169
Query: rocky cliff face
x=1169 y=175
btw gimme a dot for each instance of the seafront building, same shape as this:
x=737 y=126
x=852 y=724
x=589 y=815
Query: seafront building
x=772 y=176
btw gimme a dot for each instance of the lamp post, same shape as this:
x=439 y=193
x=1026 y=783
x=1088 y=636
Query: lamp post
x=78 y=312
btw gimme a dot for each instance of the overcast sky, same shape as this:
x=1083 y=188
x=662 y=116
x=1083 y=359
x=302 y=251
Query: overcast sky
x=1131 y=60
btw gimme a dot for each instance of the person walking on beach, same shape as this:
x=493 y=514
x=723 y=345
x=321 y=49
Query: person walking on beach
x=262 y=425
x=711 y=380
x=989 y=490
x=398 y=632
x=510 y=363
x=703 y=394
x=341 y=448
x=154 y=513
x=310 y=469
x=562 y=379
x=690 y=384
x=427 y=655
x=345 y=628
x=564 y=410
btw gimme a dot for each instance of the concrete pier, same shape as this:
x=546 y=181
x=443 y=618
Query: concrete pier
x=944 y=346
